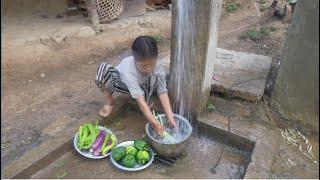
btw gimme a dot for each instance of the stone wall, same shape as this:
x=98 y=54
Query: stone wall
x=296 y=91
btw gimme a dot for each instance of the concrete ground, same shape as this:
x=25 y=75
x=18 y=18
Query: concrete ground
x=257 y=122
x=201 y=156
x=48 y=85
x=271 y=157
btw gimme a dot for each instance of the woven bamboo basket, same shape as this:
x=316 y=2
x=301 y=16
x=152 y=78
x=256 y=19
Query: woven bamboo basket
x=107 y=9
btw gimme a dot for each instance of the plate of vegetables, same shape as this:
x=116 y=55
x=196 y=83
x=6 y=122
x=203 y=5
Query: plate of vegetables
x=94 y=141
x=132 y=155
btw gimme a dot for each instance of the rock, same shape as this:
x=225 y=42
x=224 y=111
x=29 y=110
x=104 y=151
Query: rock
x=59 y=37
x=59 y=16
x=241 y=74
x=44 y=39
x=42 y=75
x=44 y=16
x=86 y=31
x=90 y=62
x=145 y=24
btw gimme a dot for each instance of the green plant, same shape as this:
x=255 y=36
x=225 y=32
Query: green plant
x=265 y=31
x=252 y=34
x=273 y=29
x=157 y=37
x=263 y=8
x=262 y=1
x=210 y=106
x=62 y=174
x=255 y=35
x=231 y=7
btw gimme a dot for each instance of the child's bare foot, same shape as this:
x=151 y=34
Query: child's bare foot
x=106 y=110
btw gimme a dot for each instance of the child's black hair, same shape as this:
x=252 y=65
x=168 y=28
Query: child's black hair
x=144 y=47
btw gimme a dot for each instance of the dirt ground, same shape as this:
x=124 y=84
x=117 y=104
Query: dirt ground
x=47 y=87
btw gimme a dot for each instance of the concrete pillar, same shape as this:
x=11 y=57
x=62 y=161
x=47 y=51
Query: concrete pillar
x=193 y=49
x=296 y=91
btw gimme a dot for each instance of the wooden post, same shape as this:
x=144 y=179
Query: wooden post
x=92 y=11
x=193 y=50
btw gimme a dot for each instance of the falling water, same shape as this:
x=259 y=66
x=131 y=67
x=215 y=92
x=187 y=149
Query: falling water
x=195 y=41
x=185 y=32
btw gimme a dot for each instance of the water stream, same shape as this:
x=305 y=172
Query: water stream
x=195 y=41
x=185 y=41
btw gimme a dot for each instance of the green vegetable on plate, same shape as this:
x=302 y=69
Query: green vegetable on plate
x=143 y=157
x=118 y=153
x=112 y=143
x=140 y=145
x=129 y=161
x=131 y=150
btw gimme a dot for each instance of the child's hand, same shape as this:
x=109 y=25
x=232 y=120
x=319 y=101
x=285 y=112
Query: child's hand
x=159 y=129
x=173 y=123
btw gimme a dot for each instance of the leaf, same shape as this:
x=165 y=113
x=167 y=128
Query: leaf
x=210 y=105
x=158 y=38
x=305 y=153
x=61 y=174
x=59 y=164
x=5 y=145
x=291 y=162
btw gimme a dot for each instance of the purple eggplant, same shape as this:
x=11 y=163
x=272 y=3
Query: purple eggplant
x=98 y=142
x=97 y=152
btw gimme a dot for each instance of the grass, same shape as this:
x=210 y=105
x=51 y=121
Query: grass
x=256 y=34
x=232 y=6
x=262 y=1
x=59 y=164
x=157 y=37
x=265 y=32
x=62 y=174
x=263 y=8
x=273 y=29
x=210 y=106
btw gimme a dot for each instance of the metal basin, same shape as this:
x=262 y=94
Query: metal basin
x=171 y=149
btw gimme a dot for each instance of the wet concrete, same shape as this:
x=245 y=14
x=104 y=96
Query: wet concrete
x=272 y=157
x=236 y=131
x=202 y=154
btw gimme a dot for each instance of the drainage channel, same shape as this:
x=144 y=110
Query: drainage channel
x=202 y=154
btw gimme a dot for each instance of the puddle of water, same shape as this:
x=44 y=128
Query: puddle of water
x=202 y=154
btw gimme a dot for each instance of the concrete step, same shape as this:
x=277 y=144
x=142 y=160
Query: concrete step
x=238 y=74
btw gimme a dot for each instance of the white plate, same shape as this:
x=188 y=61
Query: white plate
x=87 y=153
x=138 y=167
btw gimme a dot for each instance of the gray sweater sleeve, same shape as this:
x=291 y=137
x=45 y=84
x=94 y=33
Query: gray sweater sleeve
x=162 y=84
